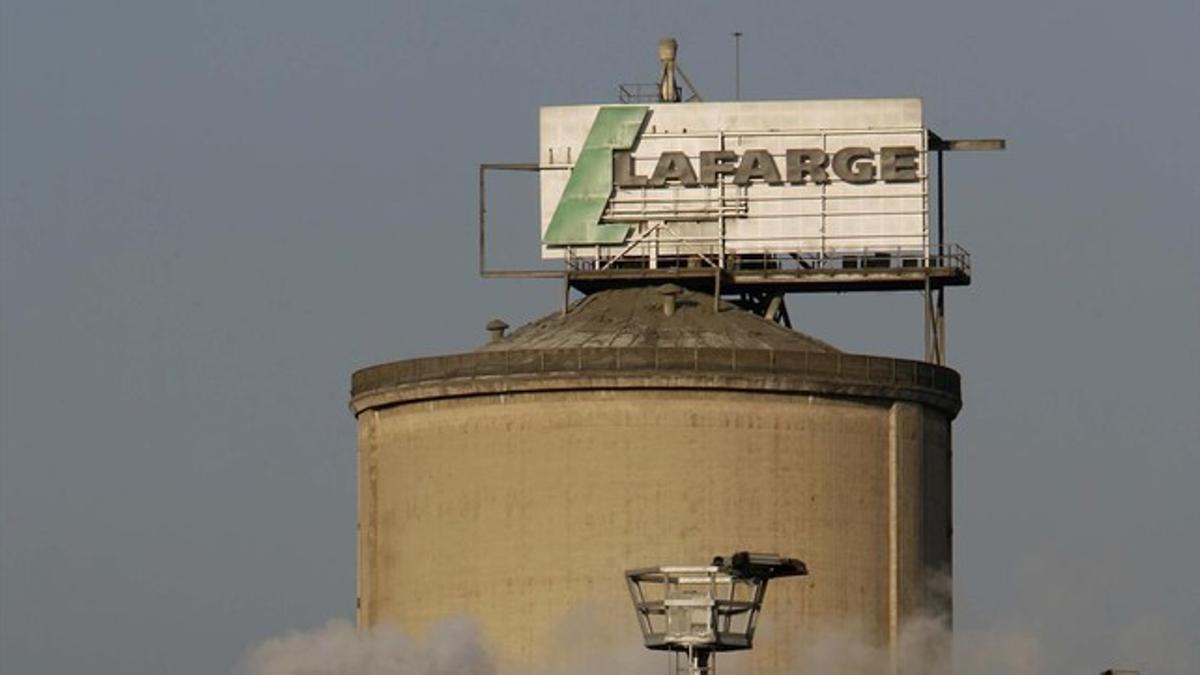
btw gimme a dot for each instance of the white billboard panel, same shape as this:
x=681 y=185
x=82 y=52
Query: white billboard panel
x=773 y=177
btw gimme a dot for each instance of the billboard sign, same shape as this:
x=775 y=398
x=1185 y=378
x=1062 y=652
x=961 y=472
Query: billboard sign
x=801 y=178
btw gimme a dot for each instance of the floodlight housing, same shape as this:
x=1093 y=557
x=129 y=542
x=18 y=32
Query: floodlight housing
x=702 y=609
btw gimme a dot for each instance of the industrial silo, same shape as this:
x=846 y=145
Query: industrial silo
x=516 y=482
x=649 y=425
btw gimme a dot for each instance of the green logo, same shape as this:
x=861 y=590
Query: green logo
x=576 y=219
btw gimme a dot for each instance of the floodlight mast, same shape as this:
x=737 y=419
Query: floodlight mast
x=692 y=612
x=668 y=92
x=666 y=89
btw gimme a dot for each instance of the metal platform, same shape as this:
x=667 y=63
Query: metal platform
x=946 y=265
x=756 y=276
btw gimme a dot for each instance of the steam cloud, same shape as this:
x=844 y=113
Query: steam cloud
x=455 y=647
x=452 y=647
x=1062 y=619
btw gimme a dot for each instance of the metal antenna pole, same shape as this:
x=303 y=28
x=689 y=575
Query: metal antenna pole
x=737 y=65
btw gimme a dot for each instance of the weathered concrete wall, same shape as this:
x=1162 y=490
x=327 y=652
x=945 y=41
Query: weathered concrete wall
x=515 y=508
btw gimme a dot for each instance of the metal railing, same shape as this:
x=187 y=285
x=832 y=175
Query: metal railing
x=640 y=92
x=811 y=254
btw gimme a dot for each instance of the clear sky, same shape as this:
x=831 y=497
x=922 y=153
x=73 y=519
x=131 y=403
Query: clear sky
x=212 y=211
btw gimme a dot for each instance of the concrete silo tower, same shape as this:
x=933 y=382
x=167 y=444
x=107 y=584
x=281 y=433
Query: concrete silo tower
x=512 y=482
x=672 y=412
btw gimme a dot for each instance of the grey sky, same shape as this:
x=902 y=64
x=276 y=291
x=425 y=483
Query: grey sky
x=213 y=211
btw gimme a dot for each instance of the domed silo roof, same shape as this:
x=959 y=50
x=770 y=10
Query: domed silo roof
x=627 y=334
x=634 y=317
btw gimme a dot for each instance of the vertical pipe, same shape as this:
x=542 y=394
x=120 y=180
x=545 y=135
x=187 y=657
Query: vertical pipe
x=949 y=487
x=940 y=319
x=721 y=209
x=893 y=534
x=941 y=326
x=927 y=302
x=717 y=292
x=941 y=205
x=359 y=536
x=366 y=583
x=566 y=304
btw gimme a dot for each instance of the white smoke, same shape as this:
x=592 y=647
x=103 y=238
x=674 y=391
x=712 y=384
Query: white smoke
x=585 y=644
x=925 y=646
x=1050 y=638
x=452 y=647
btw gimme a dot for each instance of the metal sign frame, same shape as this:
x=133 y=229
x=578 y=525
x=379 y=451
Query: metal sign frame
x=761 y=282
